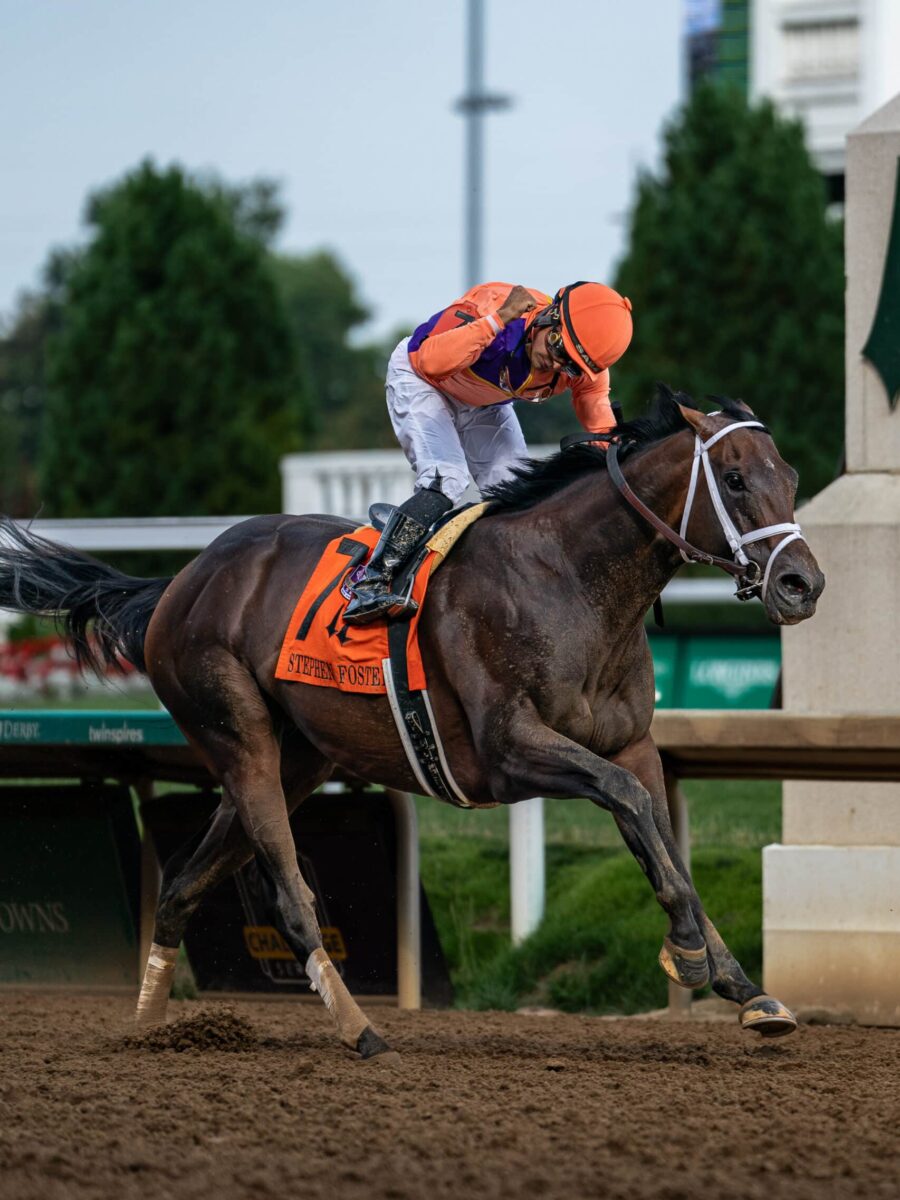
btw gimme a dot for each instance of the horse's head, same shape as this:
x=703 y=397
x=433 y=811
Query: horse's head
x=742 y=506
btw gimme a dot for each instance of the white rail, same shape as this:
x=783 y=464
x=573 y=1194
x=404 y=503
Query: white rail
x=194 y=533
x=134 y=533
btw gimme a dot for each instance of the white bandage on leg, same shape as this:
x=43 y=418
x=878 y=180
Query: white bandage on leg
x=154 y=997
x=324 y=979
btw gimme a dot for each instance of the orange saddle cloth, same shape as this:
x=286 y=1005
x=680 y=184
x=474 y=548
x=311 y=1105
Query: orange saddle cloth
x=320 y=649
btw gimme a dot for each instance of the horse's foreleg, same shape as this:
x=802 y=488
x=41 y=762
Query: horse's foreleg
x=758 y=1011
x=539 y=761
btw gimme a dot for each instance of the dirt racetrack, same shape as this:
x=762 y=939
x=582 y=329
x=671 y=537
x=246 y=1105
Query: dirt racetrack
x=264 y=1102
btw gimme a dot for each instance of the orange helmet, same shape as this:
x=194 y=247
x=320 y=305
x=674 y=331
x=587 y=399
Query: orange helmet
x=595 y=323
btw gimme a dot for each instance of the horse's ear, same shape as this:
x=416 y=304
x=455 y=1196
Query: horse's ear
x=697 y=420
x=734 y=406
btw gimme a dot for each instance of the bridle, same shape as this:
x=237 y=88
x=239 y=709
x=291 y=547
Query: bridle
x=749 y=577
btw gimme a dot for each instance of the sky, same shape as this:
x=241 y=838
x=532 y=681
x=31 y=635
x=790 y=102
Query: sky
x=350 y=106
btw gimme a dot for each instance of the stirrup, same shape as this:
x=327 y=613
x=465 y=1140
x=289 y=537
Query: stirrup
x=390 y=606
x=375 y=594
x=380 y=513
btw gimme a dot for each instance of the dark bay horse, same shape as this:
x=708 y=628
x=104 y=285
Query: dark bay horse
x=533 y=640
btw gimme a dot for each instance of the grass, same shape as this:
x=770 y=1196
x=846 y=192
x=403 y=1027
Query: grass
x=596 y=948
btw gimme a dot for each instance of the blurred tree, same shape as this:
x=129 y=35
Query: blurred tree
x=345 y=381
x=22 y=393
x=173 y=384
x=736 y=275
x=255 y=208
x=108 y=295
x=23 y=388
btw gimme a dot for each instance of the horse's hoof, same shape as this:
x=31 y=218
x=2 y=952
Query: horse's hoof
x=687 y=968
x=369 y=1044
x=767 y=1016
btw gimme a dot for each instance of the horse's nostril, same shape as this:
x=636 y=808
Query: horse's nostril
x=794 y=586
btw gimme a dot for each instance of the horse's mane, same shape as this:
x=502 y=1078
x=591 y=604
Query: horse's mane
x=538 y=478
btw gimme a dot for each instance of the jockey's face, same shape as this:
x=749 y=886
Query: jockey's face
x=549 y=354
x=539 y=352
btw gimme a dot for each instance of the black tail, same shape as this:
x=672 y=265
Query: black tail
x=41 y=577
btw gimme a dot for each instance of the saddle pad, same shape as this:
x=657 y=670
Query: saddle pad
x=320 y=649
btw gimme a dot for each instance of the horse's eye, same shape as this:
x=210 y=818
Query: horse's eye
x=735 y=481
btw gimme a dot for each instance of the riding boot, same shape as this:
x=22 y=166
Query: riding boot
x=402 y=534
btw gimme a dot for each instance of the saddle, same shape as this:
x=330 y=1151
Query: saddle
x=318 y=648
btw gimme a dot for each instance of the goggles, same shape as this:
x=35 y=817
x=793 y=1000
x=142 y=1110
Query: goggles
x=560 y=355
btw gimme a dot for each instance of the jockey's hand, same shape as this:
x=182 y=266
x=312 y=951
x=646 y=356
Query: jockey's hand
x=516 y=304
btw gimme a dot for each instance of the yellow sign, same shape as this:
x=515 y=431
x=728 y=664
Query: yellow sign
x=333 y=941
x=264 y=941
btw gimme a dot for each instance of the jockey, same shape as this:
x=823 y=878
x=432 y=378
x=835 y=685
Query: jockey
x=450 y=393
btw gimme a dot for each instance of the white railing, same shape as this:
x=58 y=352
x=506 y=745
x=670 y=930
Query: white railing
x=348 y=481
x=344 y=482
x=134 y=533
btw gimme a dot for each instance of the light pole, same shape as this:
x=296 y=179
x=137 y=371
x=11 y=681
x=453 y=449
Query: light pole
x=473 y=105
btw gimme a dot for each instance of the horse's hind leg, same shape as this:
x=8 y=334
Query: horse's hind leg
x=218 y=704
x=220 y=849
x=758 y=1012
x=205 y=861
x=253 y=784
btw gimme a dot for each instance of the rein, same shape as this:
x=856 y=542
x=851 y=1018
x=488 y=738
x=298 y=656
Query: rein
x=749 y=577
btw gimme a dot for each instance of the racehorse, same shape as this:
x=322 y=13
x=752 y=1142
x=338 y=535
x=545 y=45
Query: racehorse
x=533 y=640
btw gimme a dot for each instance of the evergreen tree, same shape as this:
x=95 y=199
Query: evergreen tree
x=173 y=386
x=736 y=275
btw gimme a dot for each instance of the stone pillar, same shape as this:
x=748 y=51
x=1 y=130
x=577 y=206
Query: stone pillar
x=832 y=889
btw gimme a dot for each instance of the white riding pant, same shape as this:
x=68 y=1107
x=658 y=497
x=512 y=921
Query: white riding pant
x=438 y=434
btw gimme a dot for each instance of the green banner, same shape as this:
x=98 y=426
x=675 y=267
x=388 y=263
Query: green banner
x=715 y=672
x=721 y=672
x=665 y=667
x=72 y=727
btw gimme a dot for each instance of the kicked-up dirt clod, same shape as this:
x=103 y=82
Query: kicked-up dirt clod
x=208 y=1029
